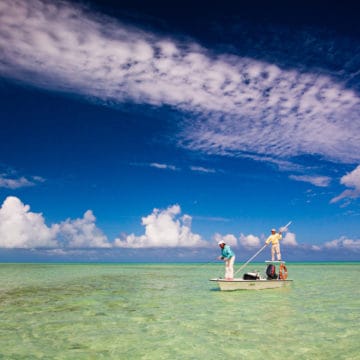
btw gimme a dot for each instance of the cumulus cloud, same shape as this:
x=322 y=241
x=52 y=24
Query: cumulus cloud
x=236 y=105
x=249 y=241
x=21 y=228
x=163 y=228
x=352 y=181
x=229 y=239
x=82 y=233
x=343 y=243
x=290 y=239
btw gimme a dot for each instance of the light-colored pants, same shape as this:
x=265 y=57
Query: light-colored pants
x=275 y=249
x=229 y=268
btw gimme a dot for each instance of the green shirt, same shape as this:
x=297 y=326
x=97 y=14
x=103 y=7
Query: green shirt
x=226 y=252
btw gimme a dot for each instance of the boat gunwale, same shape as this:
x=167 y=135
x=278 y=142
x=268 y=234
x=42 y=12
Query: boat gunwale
x=255 y=280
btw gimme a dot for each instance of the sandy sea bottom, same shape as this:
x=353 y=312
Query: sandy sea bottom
x=172 y=311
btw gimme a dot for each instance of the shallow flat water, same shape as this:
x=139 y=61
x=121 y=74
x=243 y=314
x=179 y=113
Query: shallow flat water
x=172 y=311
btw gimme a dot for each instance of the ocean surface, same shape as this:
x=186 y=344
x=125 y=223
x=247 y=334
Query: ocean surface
x=173 y=311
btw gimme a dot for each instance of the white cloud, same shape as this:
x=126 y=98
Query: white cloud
x=328 y=129
x=252 y=241
x=321 y=181
x=202 y=169
x=249 y=241
x=14 y=183
x=352 y=181
x=239 y=106
x=343 y=243
x=21 y=228
x=164 y=228
x=290 y=239
x=229 y=239
x=82 y=233
x=164 y=166
x=11 y=182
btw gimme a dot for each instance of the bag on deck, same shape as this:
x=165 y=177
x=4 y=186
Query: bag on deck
x=251 y=276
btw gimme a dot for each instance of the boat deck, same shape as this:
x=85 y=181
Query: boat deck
x=259 y=284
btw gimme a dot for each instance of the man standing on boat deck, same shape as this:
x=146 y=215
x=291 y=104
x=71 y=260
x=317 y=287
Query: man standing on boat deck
x=274 y=239
x=228 y=256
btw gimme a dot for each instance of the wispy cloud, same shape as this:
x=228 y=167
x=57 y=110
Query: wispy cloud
x=238 y=106
x=202 y=169
x=164 y=166
x=11 y=181
x=15 y=183
x=321 y=181
x=158 y=165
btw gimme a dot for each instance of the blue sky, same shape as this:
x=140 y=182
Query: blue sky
x=147 y=132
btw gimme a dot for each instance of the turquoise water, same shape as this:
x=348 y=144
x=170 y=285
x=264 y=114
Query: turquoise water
x=172 y=311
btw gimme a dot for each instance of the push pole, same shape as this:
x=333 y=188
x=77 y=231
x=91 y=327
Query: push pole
x=257 y=253
x=283 y=228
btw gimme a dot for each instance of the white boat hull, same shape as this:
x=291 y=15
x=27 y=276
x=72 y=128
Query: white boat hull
x=260 y=284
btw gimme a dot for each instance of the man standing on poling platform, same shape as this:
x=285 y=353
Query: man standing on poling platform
x=274 y=239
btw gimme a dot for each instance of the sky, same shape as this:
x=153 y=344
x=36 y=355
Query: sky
x=150 y=130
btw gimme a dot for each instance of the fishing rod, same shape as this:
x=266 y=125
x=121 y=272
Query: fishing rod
x=209 y=262
x=205 y=263
x=283 y=228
